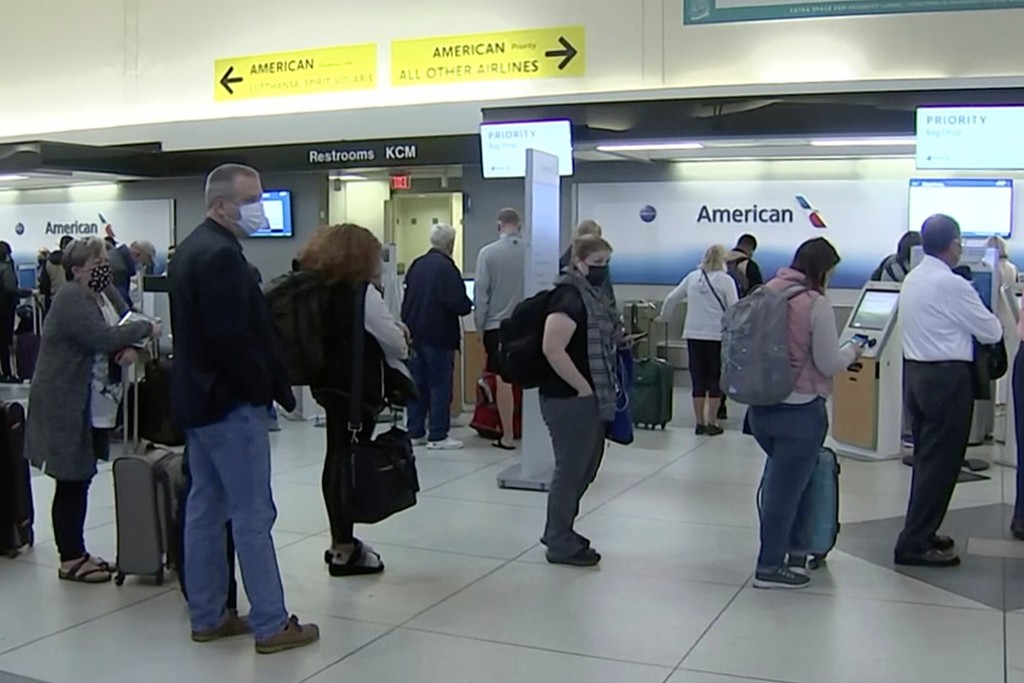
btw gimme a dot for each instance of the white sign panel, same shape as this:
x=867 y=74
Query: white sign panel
x=31 y=227
x=970 y=138
x=982 y=206
x=503 y=146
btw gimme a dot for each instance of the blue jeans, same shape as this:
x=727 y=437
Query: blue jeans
x=230 y=466
x=792 y=437
x=431 y=368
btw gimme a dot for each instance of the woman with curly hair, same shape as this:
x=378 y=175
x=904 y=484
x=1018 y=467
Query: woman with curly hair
x=348 y=258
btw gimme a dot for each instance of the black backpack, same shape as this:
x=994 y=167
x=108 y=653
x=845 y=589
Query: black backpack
x=298 y=306
x=521 y=358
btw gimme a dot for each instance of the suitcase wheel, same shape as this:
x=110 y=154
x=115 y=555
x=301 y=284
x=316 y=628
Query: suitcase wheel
x=119 y=579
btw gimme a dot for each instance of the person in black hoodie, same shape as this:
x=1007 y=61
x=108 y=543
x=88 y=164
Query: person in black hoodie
x=51 y=275
x=435 y=300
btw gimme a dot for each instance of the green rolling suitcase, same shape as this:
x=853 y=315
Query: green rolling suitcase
x=651 y=395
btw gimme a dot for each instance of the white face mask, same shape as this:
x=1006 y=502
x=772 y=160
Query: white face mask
x=251 y=217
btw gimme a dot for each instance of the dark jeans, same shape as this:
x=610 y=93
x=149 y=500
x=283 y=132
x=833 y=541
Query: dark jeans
x=431 y=368
x=705 y=367
x=70 y=503
x=792 y=437
x=1018 y=409
x=336 y=481
x=940 y=400
x=577 y=438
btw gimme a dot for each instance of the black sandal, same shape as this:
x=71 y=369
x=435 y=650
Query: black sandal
x=95 y=574
x=353 y=565
x=501 y=446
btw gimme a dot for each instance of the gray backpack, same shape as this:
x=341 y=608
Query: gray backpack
x=756 y=369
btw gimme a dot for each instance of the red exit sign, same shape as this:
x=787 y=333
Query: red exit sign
x=401 y=182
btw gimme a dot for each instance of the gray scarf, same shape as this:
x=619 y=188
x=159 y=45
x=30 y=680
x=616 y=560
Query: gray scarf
x=602 y=337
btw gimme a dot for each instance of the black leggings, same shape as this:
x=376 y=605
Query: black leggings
x=70 y=502
x=336 y=481
x=705 y=367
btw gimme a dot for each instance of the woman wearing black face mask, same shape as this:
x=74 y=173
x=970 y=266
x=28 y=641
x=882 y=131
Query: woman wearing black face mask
x=577 y=400
x=75 y=395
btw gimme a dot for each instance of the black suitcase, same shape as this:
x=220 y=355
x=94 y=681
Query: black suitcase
x=154 y=413
x=17 y=512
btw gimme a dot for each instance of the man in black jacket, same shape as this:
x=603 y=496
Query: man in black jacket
x=435 y=300
x=227 y=370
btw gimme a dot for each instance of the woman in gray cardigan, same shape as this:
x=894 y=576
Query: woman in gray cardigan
x=72 y=400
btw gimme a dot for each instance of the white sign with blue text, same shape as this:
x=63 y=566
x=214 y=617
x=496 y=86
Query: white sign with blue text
x=970 y=138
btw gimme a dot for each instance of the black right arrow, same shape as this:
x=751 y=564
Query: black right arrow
x=569 y=53
x=227 y=81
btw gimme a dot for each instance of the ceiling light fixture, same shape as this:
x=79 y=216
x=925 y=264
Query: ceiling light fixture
x=5 y=178
x=865 y=142
x=351 y=177
x=651 y=147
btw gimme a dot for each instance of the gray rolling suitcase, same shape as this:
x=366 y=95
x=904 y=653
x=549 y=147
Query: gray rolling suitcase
x=146 y=491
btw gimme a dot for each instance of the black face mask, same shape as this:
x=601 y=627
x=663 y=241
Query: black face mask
x=100 y=278
x=596 y=275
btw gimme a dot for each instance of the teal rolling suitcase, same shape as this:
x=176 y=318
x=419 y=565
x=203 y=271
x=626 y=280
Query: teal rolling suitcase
x=650 y=399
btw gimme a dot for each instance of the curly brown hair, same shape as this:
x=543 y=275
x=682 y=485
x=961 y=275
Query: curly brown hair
x=343 y=253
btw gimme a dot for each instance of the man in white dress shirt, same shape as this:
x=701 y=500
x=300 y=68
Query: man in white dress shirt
x=940 y=314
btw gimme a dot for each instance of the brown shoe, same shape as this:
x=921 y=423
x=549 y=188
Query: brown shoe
x=233 y=625
x=292 y=636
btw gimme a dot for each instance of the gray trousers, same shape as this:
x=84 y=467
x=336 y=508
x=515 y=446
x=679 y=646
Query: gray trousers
x=577 y=438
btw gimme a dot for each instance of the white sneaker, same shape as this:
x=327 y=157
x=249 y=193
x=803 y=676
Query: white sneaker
x=448 y=444
x=420 y=442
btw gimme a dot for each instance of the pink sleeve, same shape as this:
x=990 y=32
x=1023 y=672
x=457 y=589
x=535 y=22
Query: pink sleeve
x=1020 y=323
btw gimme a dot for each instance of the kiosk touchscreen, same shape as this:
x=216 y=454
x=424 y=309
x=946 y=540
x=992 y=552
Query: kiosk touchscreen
x=867 y=403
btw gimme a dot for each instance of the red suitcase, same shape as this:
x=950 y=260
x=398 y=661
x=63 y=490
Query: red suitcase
x=485 y=418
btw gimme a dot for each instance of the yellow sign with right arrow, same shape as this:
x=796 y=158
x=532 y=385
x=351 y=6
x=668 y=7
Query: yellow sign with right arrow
x=558 y=52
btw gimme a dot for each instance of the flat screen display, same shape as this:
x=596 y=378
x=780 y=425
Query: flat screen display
x=982 y=206
x=970 y=138
x=26 y=277
x=277 y=205
x=503 y=146
x=874 y=310
x=470 y=289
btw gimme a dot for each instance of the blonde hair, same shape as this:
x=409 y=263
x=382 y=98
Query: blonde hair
x=588 y=228
x=588 y=245
x=999 y=244
x=714 y=258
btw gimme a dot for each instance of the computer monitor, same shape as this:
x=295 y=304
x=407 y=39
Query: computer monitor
x=470 y=288
x=277 y=205
x=27 y=277
x=874 y=310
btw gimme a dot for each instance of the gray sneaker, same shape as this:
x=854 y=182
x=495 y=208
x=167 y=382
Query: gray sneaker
x=782 y=578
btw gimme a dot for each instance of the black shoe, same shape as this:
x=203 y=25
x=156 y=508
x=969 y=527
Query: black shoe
x=929 y=558
x=782 y=578
x=1017 y=529
x=584 y=557
x=701 y=430
x=715 y=430
x=943 y=543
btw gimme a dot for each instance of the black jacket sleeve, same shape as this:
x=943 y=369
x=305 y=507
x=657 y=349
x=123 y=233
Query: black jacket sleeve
x=456 y=299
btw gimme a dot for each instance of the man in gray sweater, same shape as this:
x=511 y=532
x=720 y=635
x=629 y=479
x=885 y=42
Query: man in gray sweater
x=500 y=282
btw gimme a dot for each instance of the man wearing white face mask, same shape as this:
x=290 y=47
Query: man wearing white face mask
x=227 y=372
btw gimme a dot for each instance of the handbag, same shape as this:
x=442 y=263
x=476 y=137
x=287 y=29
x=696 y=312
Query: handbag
x=620 y=429
x=384 y=477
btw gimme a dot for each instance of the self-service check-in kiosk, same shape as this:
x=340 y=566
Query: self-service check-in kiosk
x=867 y=403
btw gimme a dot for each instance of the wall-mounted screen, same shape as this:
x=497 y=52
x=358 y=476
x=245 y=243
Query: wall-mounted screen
x=504 y=145
x=277 y=205
x=874 y=310
x=970 y=138
x=470 y=289
x=982 y=206
x=26 y=276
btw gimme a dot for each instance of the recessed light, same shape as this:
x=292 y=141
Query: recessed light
x=652 y=147
x=5 y=178
x=865 y=142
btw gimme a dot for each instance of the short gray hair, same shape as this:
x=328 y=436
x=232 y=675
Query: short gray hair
x=146 y=247
x=220 y=184
x=442 y=236
x=80 y=252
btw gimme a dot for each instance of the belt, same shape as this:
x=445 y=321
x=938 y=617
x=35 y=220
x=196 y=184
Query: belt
x=939 y=363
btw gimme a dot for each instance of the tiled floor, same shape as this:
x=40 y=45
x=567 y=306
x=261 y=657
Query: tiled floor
x=469 y=597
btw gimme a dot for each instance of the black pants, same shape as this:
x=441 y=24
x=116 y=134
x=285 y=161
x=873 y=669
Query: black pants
x=940 y=402
x=705 y=367
x=70 y=502
x=336 y=481
x=7 y=315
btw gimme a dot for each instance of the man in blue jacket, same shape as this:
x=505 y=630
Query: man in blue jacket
x=435 y=300
x=227 y=371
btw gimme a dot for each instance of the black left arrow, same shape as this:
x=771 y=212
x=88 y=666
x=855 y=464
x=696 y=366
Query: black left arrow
x=568 y=53
x=227 y=81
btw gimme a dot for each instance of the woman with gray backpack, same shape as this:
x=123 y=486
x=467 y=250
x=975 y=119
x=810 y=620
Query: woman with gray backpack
x=788 y=415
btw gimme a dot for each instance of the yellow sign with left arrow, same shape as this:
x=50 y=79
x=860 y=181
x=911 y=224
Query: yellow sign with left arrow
x=302 y=72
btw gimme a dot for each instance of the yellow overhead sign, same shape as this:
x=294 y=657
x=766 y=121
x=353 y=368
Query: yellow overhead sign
x=303 y=72
x=538 y=53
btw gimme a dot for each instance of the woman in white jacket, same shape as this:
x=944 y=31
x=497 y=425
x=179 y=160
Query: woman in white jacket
x=708 y=292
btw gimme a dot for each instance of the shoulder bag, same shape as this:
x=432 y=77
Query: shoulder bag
x=384 y=478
